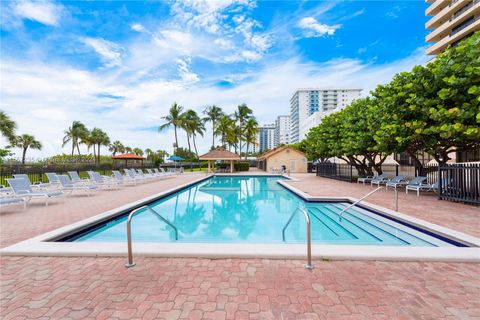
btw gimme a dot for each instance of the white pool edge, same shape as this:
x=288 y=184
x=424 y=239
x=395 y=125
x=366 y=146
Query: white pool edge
x=40 y=245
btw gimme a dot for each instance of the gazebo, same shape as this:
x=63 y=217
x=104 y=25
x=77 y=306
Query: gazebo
x=126 y=157
x=220 y=154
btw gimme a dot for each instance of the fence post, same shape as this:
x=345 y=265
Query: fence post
x=396 y=170
x=351 y=173
x=439 y=183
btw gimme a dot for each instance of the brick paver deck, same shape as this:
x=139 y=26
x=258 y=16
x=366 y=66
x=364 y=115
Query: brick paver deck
x=160 y=288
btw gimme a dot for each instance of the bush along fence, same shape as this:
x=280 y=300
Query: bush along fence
x=457 y=182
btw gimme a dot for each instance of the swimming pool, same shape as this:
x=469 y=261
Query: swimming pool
x=254 y=209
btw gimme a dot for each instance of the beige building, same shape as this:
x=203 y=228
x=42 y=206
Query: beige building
x=284 y=158
x=451 y=21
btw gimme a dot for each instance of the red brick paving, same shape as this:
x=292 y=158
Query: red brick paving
x=160 y=288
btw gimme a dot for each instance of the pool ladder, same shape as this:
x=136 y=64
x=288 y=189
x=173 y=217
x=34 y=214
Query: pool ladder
x=130 y=262
x=309 y=264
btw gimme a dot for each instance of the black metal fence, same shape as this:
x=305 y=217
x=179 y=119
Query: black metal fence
x=456 y=182
x=36 y=173
x=459 y=182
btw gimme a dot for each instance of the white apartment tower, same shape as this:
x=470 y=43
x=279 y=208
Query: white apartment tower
x=309 y=106
x=282 y=130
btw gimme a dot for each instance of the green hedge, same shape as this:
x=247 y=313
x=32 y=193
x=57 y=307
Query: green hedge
x=238 y=166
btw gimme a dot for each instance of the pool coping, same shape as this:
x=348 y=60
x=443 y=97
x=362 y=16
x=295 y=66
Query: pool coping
x=42 y=246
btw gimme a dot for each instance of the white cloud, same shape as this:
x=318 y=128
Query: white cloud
x=138 y=27
x=44 y=12
x=110 y=52
x=59 y=94
x=315 y=29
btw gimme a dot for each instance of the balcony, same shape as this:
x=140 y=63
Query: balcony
x=446 y=28
x=436 y=7
x=446 y=41
x=445 y=14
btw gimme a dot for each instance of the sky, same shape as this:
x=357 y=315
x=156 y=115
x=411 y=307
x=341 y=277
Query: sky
x=120 y=65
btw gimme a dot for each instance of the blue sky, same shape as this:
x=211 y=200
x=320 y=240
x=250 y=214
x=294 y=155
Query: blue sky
x=120 y=65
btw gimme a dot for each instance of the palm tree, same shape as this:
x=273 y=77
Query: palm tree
x=99 y=138
x=88 y=140
x=150 y=154
x=73 y=134
x=162 y=154
x=213 y=114
x=7 y=127
x=223 y=128
x=26 y=141
x=242 y=114
x=138 y=151
x=186 y=119
x=128 y=150
x=174 y=118
x=116 y=146
x=194 y=125
x=250 y=133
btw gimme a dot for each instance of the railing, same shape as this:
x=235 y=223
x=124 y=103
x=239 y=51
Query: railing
x=459 y=182
x=358 y=201
x=130 y=262
x=309 y=264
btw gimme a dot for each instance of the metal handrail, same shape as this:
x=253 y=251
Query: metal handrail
x=356 y=202
x=309 y=264
x=130 y=262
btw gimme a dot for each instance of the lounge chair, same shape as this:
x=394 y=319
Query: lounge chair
x=21 y=188
x=75 y=178
x=396 y=181
x=37 y=185
x=162 y=171
x=403 y=183
x=67 y=185
x=102 y=181
x=143 y=175
x=154 y=174
x=11 y=201
x=427 y=186
x=123 y=180
x=52 y=178
x=133 y=175
x=367 y=178
x=379 y=180
x=5 y=191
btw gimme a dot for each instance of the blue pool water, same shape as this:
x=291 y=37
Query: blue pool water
x=254 y=210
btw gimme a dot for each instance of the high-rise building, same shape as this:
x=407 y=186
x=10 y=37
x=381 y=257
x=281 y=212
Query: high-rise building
x=307 y=102
x=265 y=138
x=451 y=21
x=282 y=130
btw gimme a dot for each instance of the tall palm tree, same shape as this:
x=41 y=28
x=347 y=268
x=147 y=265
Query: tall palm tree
x=213 y=114
x=242 y=114
x=250 y=133
x=99 y=138
x=7 y=127
x=150 y=154
x=174 y=118
x=138 y=151
x=88 y=140
x=224 y=127
x=116 y=146
x=26 y=141
x=73 y=134
x=162 y=154
x=128 y=149
x=194 y=125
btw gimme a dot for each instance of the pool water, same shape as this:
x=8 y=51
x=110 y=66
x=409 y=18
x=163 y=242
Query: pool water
x=254 y=209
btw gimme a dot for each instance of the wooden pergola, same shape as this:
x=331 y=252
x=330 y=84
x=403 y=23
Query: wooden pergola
x=126 y=157
x=220 y=154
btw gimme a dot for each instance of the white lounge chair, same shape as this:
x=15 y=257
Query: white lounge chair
x=11 y=201
x=21 y=188
x=75 y=178
x=52 y=178
x=143 y=175
x=103 y=181
x=37 y=185
x=67 y=185
x=379 y=180
x=133 y=175
x=123 y=180
x=404 y=183
x=427 y=186
x=396 y=181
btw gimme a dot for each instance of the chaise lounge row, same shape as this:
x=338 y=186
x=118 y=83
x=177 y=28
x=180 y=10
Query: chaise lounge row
x=417 y=184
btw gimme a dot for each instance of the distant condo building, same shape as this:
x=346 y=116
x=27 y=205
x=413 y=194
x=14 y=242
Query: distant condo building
x=282 y=130
x=309 y=106
x=451 y=21
x=265 y=138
